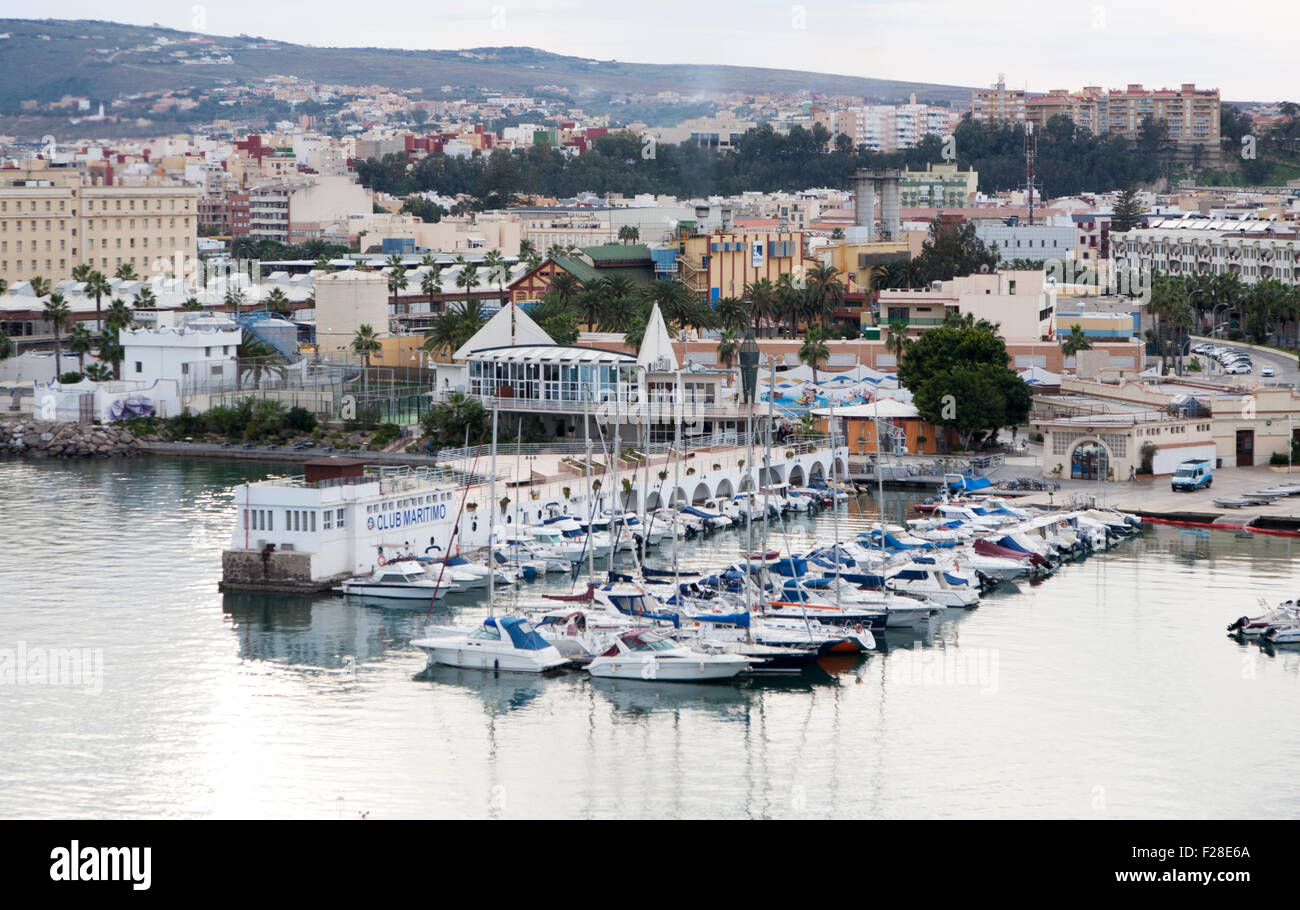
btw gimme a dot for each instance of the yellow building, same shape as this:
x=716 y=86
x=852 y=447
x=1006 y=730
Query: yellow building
x=50 y=224
x=723 y=264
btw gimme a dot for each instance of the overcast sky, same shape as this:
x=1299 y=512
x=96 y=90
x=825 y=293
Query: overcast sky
x=1245 y=49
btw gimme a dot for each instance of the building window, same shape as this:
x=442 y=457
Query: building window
x=339 y=520
x=139 y=367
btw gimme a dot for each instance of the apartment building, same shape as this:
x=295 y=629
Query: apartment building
x=886 y=127
x=998 y=104
x=294 y=211
x=1191 y=115
x=1251 y=250
x=938 y=186
x=50 y=223
x=723 y=264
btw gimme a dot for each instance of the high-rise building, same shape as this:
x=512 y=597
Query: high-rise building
x=998 y=104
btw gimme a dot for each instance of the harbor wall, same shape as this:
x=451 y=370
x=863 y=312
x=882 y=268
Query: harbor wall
x=288 y=571
x=65 y=440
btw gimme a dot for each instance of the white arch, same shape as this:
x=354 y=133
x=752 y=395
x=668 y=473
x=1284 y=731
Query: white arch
x=654 y=501
x=796 y=475
x=701 y=492
x=725 y=488
x=817 y=470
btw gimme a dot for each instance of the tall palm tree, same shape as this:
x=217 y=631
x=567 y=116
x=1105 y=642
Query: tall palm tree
x=394 y=261
x=235 y=300
x=256 y=359
x=896 y=340
x=790 y=301
x=467 y=279
x=497 y=270
x=1075 y=342
x=118 y=316
x=81 y=272
x=397 y=281
x=323 y=264
x=144 y=299
x=81 y=343
x=762 y=301
x=825 y=292
x=192 y=305
x=40 y=286
x=110 y=348
x=676 y=302
x=563 y=289
x=431 y=283
x=56 y=313
x=628 y=234
x=97 y=286
x=6 y=345
x=125 y=272
x=814 y=350
x=365 y=343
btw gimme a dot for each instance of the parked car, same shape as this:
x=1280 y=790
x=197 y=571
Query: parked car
x=1267 y=371
x=1236 y=369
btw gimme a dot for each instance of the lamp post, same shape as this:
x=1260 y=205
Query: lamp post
x=748 y=368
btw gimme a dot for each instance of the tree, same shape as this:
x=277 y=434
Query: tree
x=6 y=345
x=732 y=315
x=397 y=281
x=1075 y=342
x=762 y=301
x=959 y=378
x=456 y=418
x=40 y=286
x=256 y=359
x=125 y=272
x=629 y=234
x=467 y=279
x=56 y=313
x=118 y=316
x=97 y=286
x=498 y=270
x=99 y=372
x=1127 y=211
x=235 y=300
x=110 y=348
x=896 y=339
x=192 y=305
x=81 y=343
x=431 y=283
x=814 y=350
x=145 y=299
x=952 y=251
x=366 y=343
x=728 y=346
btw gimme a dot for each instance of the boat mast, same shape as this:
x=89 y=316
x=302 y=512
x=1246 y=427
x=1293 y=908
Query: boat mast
x=677 y=474
x=767 y=469
x=586 y=435
x=492 y=514
x=618 y=454
x=835 y=503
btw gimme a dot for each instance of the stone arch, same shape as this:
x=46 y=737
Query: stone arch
x=841 y=469
x=725 y=488
x=701 y=492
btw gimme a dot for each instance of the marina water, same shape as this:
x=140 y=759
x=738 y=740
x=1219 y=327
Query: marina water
x=1109 y=690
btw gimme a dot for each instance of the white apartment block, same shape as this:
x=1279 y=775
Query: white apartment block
x=1251 y=250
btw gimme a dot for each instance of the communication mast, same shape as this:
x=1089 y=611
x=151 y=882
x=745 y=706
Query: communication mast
x=1031 y=156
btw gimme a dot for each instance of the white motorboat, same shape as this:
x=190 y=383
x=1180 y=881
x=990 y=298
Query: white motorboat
x=646 y=655
x=501 y=643
x=934 y=584
x=1283 y=614
x=401 y=579
x=1283 y=633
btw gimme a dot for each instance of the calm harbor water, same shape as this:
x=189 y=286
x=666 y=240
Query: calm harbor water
x=1109 y=690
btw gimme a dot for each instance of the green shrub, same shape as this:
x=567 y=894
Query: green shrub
x=386 y=434
x=300 y=419
x=71 y=378
x=1278 y=458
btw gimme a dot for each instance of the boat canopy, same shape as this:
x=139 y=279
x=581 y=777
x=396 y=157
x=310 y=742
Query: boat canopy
x=521 y=633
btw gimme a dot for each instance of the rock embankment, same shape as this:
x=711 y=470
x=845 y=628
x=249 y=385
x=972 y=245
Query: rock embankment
x=64 y=440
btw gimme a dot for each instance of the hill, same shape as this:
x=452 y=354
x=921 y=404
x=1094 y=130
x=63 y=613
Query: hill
x=44 y=59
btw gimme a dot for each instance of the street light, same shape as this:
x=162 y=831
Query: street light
x=749 y=367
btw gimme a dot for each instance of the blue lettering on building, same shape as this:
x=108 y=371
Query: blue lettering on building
x=402 y=518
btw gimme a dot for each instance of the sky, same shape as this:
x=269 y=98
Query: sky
x=1244 y=49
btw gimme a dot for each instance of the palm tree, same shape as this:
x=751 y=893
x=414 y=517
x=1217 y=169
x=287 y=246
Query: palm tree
x=81 y=343
x=40 y=286
x=125 y=272
x=732 y=314
x=467 y=279
x=192 y=304
x=1075 y=342
x=814 y=350
x=110 y=352
x=728 y=346
x=394 y=261
x=56 y=313
x=144 y=299
x=323 y=264
x=790 y=301
x=365 y=343
x=563 y=289
x=235 y=300
x=276 y=301
x=81 y=272
x=628 y=234
x=97 y=286
x=762 y=300
x=6 y=345
x=896 y=340
x=497 y=270
x=676 y=302
x=256 y=359
x=825 y=292
x=397 y=281
x=431 y=283
x=118 y=316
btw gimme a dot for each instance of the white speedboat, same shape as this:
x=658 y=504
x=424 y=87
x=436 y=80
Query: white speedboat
x=401 y=579
x=1285 y=613
x=501 y=643
x=647 y=655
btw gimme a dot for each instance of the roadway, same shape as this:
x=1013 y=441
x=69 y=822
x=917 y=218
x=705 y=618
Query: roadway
x=1287 y=369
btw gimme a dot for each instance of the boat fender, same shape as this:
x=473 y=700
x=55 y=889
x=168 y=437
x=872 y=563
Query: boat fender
x=460 y=656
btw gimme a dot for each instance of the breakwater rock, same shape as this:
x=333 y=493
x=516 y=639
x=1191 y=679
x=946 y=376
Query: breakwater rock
x=64 y=440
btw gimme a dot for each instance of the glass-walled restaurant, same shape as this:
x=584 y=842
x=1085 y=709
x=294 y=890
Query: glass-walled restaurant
x=553 y=373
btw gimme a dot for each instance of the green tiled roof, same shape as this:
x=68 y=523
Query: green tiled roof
x=618 y=252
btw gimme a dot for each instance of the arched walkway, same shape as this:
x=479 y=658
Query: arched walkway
x=701 y=492
x=654 y=501
x=1089 y=461
x=817 y=470
x=841 y=468
x=747 y=483
x=796 y=476
x=724 y=488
